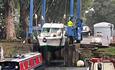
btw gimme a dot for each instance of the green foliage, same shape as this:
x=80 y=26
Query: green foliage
x=55 y=9
x=86 y=4
x=104 y=12
x=1 y=12
x=108 y=51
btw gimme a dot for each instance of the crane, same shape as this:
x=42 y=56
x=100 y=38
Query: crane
x=78 y=24
x=73 y=34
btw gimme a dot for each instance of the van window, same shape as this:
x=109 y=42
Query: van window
x=99 y=34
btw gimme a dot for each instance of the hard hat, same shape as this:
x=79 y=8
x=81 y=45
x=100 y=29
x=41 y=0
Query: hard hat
x=70 y=23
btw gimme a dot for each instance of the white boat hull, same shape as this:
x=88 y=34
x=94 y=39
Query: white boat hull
x=52 y=41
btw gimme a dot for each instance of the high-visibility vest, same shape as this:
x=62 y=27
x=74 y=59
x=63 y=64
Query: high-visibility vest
x=70 y=24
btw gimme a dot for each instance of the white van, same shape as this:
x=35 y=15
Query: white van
x=103 y=33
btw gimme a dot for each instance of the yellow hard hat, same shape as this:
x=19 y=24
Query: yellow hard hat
x=70 y=23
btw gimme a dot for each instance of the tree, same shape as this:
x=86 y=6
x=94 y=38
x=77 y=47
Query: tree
x=1 y=12
x=104 y=12
x=9 y=19
x=24 y=12
x=55 y=10
x=86 y=4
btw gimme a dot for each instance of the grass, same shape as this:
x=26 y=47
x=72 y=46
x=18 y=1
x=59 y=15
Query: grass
x=108 y=51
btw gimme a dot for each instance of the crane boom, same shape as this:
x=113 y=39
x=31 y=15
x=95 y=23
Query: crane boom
x=29 y=34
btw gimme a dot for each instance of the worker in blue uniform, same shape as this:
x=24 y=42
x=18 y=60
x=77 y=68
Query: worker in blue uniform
x=74 y=30
x=79 y=24
x=70 y=31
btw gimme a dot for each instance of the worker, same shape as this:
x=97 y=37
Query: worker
x=79 y=29
x=70 y=30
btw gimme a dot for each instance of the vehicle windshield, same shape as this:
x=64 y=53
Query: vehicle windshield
x=54 y=30
x=46 y=30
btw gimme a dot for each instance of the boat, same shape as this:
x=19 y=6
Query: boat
x=52 y=34
x=27 y=61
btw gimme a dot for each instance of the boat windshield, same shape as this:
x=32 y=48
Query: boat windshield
x=45 y=30
x=51 y=30
x=54 y=30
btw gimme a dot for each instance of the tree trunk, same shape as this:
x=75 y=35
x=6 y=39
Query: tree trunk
x=24 y=22
x=24 y=17
x=10 y=28
x=9 y=13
